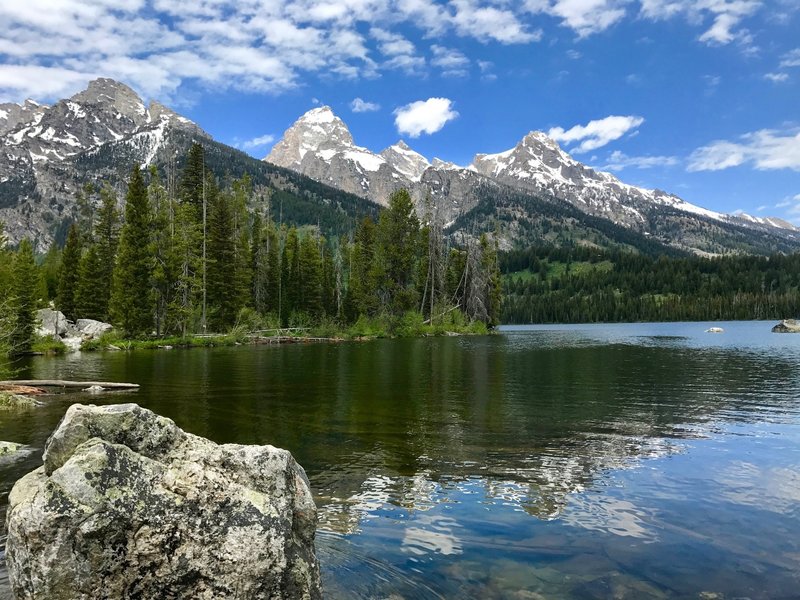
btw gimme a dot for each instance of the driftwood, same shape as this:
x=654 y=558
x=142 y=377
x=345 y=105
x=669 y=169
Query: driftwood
x=71 y=384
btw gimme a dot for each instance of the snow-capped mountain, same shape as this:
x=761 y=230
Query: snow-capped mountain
x=537 y=163
x=408 y=163
x=43 y=146
x=320 y=146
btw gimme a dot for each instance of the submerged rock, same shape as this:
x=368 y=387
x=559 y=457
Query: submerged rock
x=127 y=505
x=12 y=401
x=787 y=326
x=9 y=448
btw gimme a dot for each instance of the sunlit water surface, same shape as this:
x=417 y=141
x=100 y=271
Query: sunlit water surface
x=597 y=461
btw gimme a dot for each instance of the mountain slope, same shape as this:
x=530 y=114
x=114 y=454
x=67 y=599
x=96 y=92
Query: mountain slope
x=319 y=145
x=50 y=152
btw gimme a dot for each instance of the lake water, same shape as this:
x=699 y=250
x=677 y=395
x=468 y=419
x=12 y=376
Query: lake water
x=597 y=461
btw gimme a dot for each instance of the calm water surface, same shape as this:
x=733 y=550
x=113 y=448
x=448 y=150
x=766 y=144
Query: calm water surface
x=608 y=461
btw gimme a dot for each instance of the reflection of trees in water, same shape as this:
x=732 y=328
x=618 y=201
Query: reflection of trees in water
x=533 y=428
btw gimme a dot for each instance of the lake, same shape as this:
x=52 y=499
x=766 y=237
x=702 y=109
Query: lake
x=586 y=461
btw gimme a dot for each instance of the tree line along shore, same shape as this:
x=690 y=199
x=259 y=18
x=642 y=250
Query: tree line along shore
x=202 y=254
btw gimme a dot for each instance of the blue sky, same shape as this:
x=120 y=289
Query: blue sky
x=700 y=98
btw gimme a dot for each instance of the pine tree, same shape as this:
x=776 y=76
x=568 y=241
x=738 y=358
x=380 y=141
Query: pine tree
x=289 y=282
x=309 y=269
x=50 y=270
x=222 y=295
x=106 y=236
x=26 y=284
x=131 y=295
x=193 y=178
x=242 y=191
x=398 y=229
x=68 y=276
x=273 y=269
x=362 y=298
x=89 y=301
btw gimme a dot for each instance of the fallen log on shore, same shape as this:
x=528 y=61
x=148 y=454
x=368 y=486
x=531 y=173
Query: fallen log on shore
x=70 y=384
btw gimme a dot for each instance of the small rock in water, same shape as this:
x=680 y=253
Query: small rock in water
x=787 y=326
x=11 y=401
x=9 y=448
x=715 y=330
x=95 y=389
x=127 y=505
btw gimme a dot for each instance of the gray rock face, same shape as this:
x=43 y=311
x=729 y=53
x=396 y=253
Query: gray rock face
x=53 y=322
x=92 y=328
x=47 y=151
x=787 y=326
x=320 y=146
x=127 y=505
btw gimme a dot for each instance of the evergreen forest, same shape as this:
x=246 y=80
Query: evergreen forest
x=588 y=285
x=205 y=254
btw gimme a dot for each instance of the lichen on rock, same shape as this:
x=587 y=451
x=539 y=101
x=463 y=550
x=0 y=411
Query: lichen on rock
x=127 y=505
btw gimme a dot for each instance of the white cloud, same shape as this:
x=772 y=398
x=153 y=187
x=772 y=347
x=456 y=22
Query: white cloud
x=273 y=45
x=489 y=23
x=762 y=208
x=452 y=62
x=777 y=77
x=424 y=116
x=585 y=17
x=791 y=59
x=725 y=15
x=619 y=161
x=596 y=134
x=359 y=106
x=258 y=142
x=765 y=150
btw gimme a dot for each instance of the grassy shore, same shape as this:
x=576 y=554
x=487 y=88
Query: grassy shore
x=411 y=324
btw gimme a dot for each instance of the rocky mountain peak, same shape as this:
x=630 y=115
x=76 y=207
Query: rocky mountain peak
x=319 y=131
x=406 y=161
x=112 y=95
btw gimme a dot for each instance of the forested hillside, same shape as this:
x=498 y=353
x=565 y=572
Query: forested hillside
x=574 y=285
x=199 y=252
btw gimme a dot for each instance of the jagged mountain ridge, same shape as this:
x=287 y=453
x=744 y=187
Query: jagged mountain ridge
x=536 y=166
x=47 y=153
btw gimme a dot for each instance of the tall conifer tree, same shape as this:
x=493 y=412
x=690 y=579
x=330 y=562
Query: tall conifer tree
x=68 y=275
x=131 y=295
x=26 y=285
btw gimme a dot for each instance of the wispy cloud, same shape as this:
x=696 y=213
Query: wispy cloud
x=767 y=149
x=269 y=46
x=585 y=17
x=619 y=161
x=424 y=116
x=453 y=63
x=596 y=134
x=791 y=59
x=360 y=106
x=777 y=77
x=258 y=142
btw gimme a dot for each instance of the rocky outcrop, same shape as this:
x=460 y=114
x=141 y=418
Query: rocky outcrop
x=92 y=328
x=787 y=326
x=127 y=505
x=53 y=323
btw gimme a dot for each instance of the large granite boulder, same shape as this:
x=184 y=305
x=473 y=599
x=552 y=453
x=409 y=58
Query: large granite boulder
x=53 y=323
x=91 y=328
x=787 y=326
x=127 y=505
